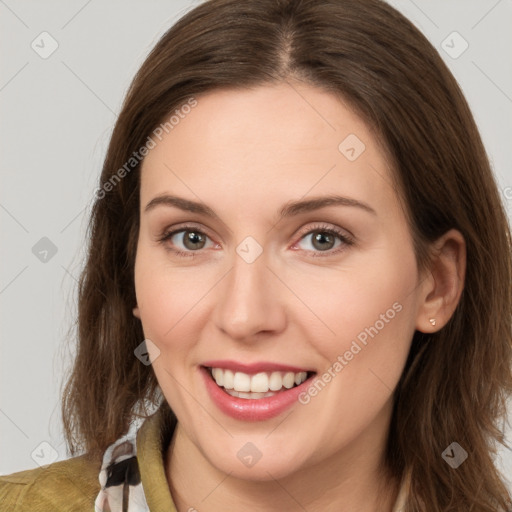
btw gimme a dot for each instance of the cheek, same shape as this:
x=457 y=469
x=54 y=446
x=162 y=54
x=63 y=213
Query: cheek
x=168 y=299
x=371 y=304
x=370 y=311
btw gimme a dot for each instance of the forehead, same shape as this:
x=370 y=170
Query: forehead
x=265 y=142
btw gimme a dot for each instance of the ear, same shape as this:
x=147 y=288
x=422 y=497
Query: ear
x=444 y=282
x=136 y=312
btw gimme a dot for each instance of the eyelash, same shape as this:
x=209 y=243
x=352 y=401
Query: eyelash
x=322 y=228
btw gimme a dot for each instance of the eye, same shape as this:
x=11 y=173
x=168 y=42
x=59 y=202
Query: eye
x=185 y=241
x=189 y=240
x=325 y=239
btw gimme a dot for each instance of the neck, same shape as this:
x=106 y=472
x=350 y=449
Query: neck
x=352 y=480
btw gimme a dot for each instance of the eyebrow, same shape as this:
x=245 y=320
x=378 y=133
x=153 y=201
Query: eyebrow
x=290 y=209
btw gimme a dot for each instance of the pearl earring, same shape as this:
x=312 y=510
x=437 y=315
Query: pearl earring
x=433 y=321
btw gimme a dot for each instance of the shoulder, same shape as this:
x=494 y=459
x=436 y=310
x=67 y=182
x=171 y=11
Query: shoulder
x=68 y=485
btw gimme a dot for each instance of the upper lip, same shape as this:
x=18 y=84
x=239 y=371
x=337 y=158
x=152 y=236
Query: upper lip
x=253 y=368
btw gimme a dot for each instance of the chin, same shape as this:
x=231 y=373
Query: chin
x=247 y=462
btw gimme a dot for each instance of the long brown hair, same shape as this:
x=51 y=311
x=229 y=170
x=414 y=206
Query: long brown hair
x=456 y=381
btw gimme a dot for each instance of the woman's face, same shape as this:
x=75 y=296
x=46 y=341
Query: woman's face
x=251 y=277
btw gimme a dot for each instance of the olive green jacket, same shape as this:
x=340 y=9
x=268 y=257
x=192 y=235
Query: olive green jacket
x=72 y=485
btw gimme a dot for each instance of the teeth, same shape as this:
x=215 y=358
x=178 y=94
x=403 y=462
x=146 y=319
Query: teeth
x=289 y=380
x=260 y=383
x=250 y=396
x=227 y=377
x=275 y=382
x=242 y=382
x=218 y=375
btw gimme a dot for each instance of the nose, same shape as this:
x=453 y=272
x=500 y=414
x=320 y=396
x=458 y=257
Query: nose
x=249 y=301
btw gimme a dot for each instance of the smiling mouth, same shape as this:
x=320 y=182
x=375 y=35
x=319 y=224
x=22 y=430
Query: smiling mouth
x=259 y=385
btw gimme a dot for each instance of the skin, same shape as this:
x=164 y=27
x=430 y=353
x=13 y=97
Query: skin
x=246 y=153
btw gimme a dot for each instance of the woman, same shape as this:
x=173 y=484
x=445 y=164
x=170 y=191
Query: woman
x=369 y=374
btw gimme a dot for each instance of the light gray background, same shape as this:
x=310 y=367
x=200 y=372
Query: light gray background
x=56 y=117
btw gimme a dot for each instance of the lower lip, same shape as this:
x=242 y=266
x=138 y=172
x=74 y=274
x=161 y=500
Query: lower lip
x=245 y=409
